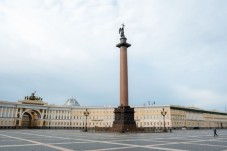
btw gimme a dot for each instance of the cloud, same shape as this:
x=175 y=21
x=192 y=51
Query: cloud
x=199 y=97
x=67 y=48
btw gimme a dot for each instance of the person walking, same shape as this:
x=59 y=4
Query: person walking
x=215 y=132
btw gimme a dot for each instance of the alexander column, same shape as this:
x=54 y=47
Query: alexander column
x=124 y=114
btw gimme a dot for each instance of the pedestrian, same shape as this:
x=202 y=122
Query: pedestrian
x=215 y=132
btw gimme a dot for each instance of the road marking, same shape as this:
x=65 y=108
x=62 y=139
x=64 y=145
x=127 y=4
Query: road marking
x=205 y=144
x=107 y=142
x=70 y=143
x=124 y=139
x=38 y=143
x=18 y=145
x=167 y=149
x=9 y=140
x=116 y=148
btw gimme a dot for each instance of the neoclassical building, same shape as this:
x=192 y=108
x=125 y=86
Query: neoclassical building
x=33 y=112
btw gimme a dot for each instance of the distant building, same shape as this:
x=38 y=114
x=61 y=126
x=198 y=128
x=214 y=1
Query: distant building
x=33 y=112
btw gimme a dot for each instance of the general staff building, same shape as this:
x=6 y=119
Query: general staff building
x=33 y=112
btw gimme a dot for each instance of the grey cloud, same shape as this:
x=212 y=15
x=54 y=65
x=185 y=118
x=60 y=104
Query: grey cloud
x=67 y=48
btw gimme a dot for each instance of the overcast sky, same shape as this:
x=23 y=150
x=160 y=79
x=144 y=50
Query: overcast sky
x=65 y=48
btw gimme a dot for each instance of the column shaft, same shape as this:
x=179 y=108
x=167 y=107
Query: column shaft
x=123 y=76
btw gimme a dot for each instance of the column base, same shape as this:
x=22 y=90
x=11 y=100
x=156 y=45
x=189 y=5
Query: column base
x=124 y=120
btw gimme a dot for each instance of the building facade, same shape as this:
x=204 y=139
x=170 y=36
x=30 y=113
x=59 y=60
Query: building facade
x=33 y=112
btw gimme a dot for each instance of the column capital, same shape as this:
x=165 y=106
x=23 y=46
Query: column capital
x=123 y=43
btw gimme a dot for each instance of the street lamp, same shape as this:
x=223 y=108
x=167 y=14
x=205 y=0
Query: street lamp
x=163 y=112
x=86 y=113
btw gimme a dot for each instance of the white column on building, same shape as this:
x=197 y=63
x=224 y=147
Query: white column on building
x=12 y=111
x=70 y=117
x=51 y=114
x=9 y=112
x=20 y=111
x=47 y=113
x=4 y=112
x=15 y=112
x=1 y=112
x=42 y=113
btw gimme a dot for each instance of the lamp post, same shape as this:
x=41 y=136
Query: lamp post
x=163 y=112
x=86 y=113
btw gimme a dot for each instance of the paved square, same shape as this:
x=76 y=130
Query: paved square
x=69 y=140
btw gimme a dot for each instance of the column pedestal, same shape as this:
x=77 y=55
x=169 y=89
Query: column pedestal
x=124 y=119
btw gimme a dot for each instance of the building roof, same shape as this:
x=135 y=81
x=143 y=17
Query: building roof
x=72 y=102
x=193 y=109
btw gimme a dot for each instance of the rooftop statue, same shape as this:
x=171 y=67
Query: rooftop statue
x=122 y=38
x=121 y=31
x=33 y=97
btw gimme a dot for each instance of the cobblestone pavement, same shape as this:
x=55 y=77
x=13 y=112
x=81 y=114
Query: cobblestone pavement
x=68 y=140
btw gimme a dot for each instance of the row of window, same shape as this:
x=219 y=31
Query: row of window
x=151 y=117
x=151 y=111
x=79 y=123
x=7 y=123
x=106 y=117
x=151 y=123
x=78 y=117
x=9 y=112
x=78 y=112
